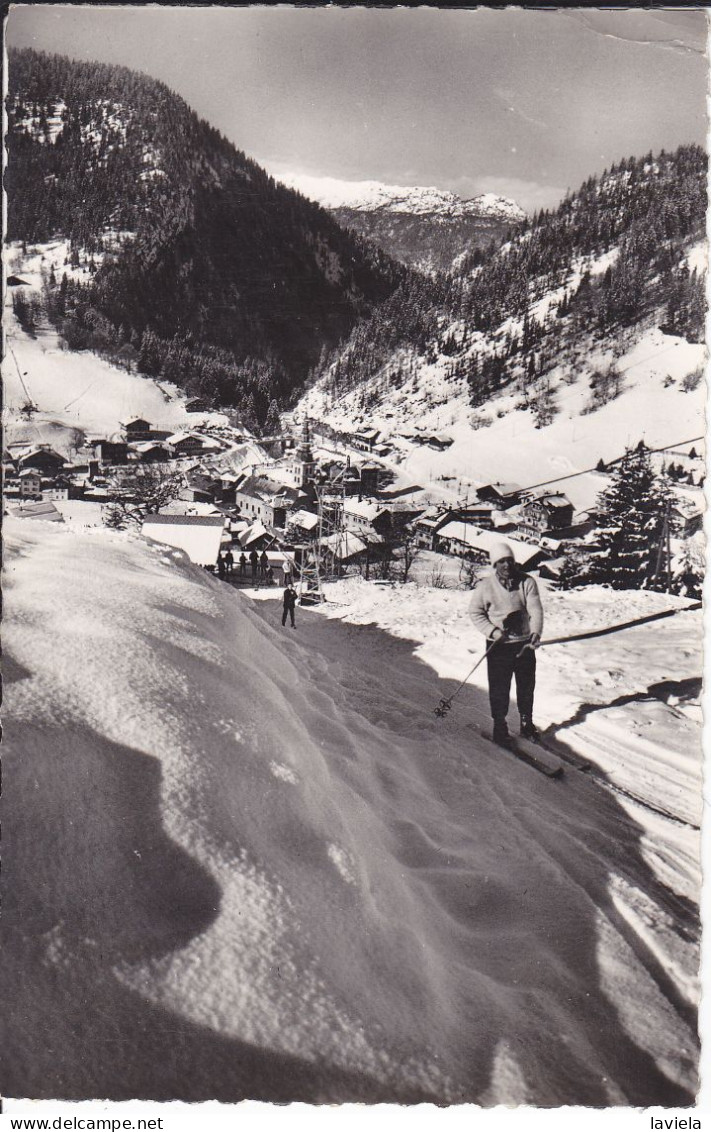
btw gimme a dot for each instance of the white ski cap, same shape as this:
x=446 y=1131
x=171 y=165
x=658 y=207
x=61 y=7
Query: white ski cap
x=499 y=550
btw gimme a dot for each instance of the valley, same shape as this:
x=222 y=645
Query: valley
x=249 y=858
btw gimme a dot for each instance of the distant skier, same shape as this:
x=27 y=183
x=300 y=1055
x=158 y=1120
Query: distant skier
x=220 y=565
x=507 y=609
x=229 y=563
x=264 y=564
x=242 y=564
x=289 y=604
x=254 y=562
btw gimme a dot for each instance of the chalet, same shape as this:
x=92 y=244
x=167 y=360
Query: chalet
x=44 y=510
x=548 y=512
x=191 y=444
x=552 y=568
x=427 y=525
x=197 y=405
x=558 y=540
x=96 y=493
x=200 y=536
x=365 y=440
x=502 y=494
x=468 y=541
x=30 y=484
x=200 y=488
x=366 y=518
x=480 y=514
x=255 y=537
x=259 y=497
x=399 y=492
x=344 y=546
x=111 y=452
x=42 y=458
x=137 y=429
x=303 y=524
x=63 y=487
x=350 y=481
x=152 y=452
x=438 y=440
x=687 y=513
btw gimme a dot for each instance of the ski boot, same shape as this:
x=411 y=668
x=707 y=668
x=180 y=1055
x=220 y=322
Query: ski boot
x=501 y=733
x=529 y=729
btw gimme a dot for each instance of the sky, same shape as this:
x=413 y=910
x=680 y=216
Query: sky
x=526 y=104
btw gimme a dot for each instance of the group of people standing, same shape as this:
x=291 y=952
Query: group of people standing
x=258 y=564
x=259 y=570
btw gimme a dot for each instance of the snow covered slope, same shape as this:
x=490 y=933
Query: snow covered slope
x=246 y=861
x=74 y=391
x=501 y=441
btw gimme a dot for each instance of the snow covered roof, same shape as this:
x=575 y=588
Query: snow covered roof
x=46 y=511
x=148 y=445
x=483 y=540
x=305 y=519
x=364 y=509
x=39 y=450
x=252 y=534
x=261 y=487
x=345 y=544
x=198 y=535
x=549 y=499
x=502 y=489
x=204 y=441
x=182 y=509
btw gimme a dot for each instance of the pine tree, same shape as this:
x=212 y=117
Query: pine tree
x=629 y=520
x=272 y=425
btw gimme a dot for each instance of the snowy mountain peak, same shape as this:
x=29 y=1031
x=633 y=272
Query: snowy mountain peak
x=374 y=196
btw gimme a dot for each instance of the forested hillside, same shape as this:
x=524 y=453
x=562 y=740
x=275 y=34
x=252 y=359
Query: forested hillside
x=612 y=255
x=199 y=265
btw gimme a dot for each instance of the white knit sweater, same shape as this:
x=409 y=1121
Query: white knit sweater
x=492 y=603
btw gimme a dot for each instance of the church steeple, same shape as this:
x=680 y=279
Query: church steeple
x=304 y=463
x=304 y=452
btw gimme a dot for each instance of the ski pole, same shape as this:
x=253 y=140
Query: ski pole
x=445 y=704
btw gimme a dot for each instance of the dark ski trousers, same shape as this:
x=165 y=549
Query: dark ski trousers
x=503 y=662
x=288 y=611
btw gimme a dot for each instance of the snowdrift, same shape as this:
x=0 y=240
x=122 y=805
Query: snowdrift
x=249 y=862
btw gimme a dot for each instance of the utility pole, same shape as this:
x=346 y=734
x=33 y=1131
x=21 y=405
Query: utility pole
x=667 y=525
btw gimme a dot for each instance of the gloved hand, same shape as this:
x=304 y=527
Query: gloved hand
x=498 y=634
x=534 y=640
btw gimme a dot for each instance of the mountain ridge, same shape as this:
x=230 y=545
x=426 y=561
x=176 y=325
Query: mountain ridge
x=219 y=278
x=422 y=227
x=369 y=195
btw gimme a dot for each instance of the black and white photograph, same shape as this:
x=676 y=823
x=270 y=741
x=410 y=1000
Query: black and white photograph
x=353 y=463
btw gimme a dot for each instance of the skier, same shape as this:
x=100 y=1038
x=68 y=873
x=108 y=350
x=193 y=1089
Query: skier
x=264 y=564
x=507 y=609
x=229 y=563
x=242 y=564
x=254 y=562
x=220 y=565
x=289 y=604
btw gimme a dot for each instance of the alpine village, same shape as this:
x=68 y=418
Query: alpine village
x=217 y=388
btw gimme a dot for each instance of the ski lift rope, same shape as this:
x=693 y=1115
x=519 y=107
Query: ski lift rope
x=445 y=703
